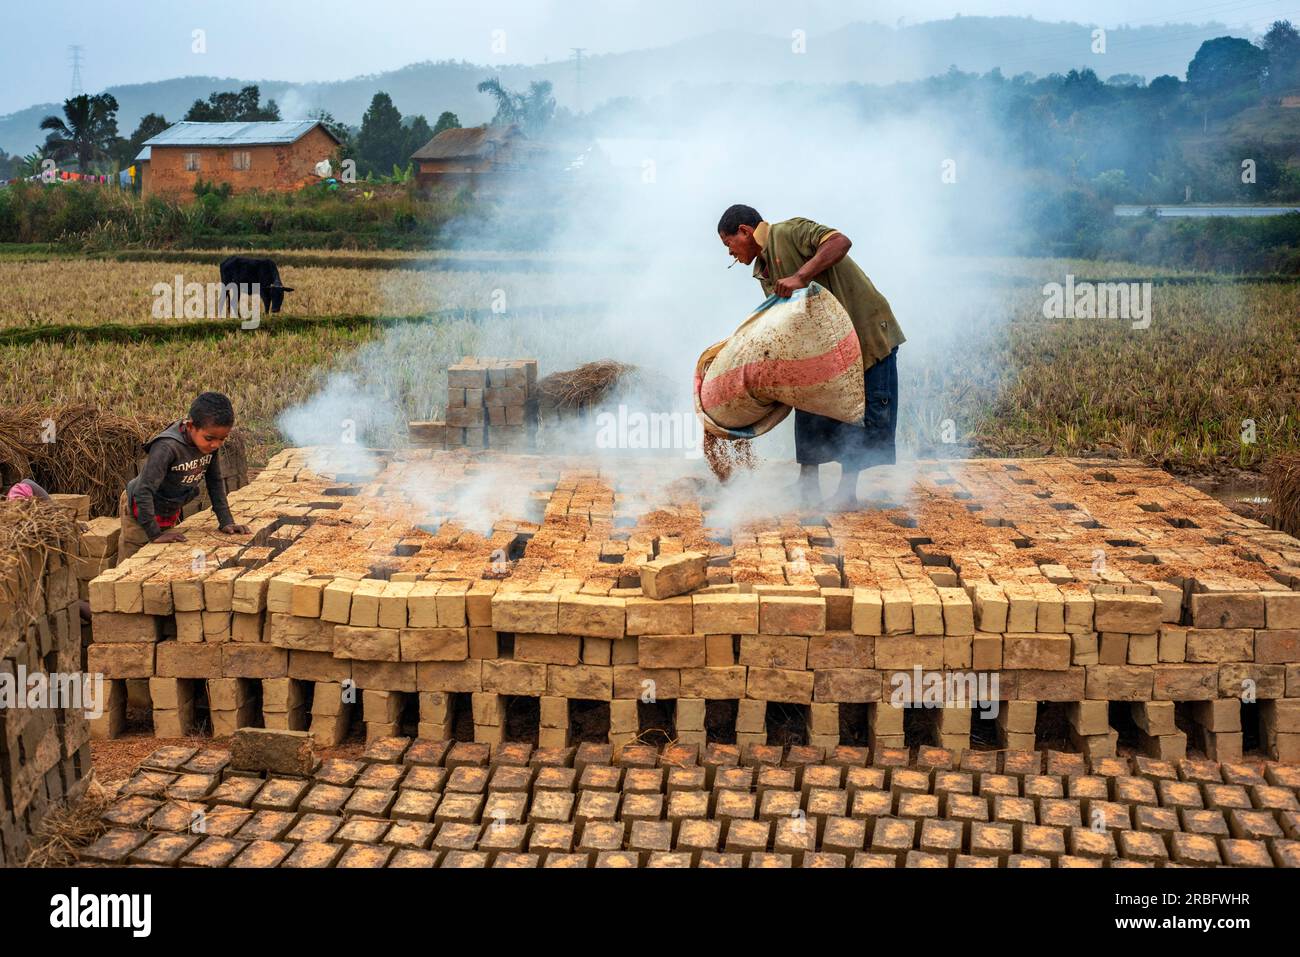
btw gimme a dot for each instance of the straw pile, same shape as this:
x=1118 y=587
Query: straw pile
x=583 y=386
x=1283 y=475
x=30 y=530
x=82 y=449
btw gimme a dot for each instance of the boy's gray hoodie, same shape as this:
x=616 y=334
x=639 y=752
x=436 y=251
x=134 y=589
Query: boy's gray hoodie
x=171 y=477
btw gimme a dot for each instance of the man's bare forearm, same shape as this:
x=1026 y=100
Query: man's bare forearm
x=828 y=254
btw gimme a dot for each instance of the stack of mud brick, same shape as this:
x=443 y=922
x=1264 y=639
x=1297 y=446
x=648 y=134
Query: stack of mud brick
x=490 y=403
x=44 y=746
x=721 y=641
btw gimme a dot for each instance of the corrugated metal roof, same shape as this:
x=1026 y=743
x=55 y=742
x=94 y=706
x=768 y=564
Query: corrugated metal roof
x=471 y=141
x=144 y=155
x=233 y=134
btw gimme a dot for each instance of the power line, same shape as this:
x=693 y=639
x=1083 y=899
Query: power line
x=577 y=58
x=74 y=51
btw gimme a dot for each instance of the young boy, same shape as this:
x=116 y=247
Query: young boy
x=180 y=456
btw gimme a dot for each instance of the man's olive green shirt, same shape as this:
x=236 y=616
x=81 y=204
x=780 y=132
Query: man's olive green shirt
x=787 y=245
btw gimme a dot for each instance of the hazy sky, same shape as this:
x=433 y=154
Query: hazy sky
x=333 y=39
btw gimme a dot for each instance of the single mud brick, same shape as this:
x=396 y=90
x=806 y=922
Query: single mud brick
x=1042 y=841
x=131 y=811
x=734 y=779
x=459 y=809
x=674 y=575
x=598 y=836
x=934 y=758
x=457 y=836
x=555 y=779
x=147 y=784
x=965 y=808
x=425 y=753
x=621 y=860
x=1226 y=797
x=179 y=816
x=769 y=861
x=715 y=859
x=1085 y=842
x=942 y=837
x=734 y=805
x=369 y=802
x=954 y=782
x=827 y=802
x=468 y=780
x=566 y=861
x=314 y=827
x=1253 y=825
x=410 y=834
x=506 y=807
x=512 y=778
x=517 y=861
x=114 y=846
x=1161 y=820
x=280 y=794
x=1194 y=850
x=1022 y=861
x=422 y=777
x=641 y=807
x=386 y=750
x=1154 y=769
x=1179 y=794
x=1286 y=853
x=600 y=777
x=236 y=791
x=325 y=799
x=207 y=761
x=414 y=805
x=644 y=780
x=1065 y=764
x=776 y=804
x=267 y=826
x=1133 y=790
x=747 y=837
x=170 y=758
x=1014 y=810
x=871 y=779
x=512 y=753
x=553 y=757
x=313 y=854
x=922 y=860
x=213 y=852
x=1195 y=771
x=780 y=779
x=1273 y=798
x=1087 y=786
x=909 y=781
x=1281 y=775
x=871 y=804
x=639 y=756
x=970 y=861
x=679 y=755
x=848 y=756
x=683 y=805
x=365 y=856
x=501 y=838
x=1076 y=862
x=821 y=776
x=994 y=785
x=596 y=806
x=1245 y=853
x=1242 y=775
x=1107 y=814
x=794 y=836
x=414 y=858
x=686 y=779
x=1290 y=823
x=668 y=859
x=547 y=837
x=263 y=854
x=590 y=752
x=468 y=754
x=551 y=807
x=892 y=758
x=465 y=860
x=1142 y=846
x=191 y=787
x=698 y=835
x=1060 y=812
x=1203 y=822
x=893 y=836
x=362 y=830
x=992 y=840
x=1043 y=786
x=1111 y=767
x=1020 y=763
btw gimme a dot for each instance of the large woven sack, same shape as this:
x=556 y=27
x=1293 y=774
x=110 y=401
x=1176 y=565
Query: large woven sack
x=797 y=353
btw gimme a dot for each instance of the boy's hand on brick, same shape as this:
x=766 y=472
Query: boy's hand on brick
x=166 y=538
x=235 y=529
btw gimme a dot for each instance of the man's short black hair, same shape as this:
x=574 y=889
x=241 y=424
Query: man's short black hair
x=737 y=216
x=212 y=408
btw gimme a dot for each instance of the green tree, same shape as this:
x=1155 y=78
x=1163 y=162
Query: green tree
x=1226 y=65
x=87 y=130
x=417 y=134
x=446 y=121
x=151 y=124
x=382 y=140
x=531 y=110
x=244 y=106
x=340 y=129
x=1282 y=44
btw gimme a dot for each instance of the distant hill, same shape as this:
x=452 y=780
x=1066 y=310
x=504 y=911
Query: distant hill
x=859 y=52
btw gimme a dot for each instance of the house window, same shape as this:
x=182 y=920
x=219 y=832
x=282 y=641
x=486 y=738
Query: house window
x=191 y=162
x=241 y=159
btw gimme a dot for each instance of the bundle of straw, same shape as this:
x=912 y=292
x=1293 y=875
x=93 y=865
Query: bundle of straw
x=30 y=531
x=584 y=385
x=1283 y=475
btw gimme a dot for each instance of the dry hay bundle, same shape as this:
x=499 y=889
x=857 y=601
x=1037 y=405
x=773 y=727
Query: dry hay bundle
x=583 y=386
x=1284 y=491
x=94 y=453
x=30 y=531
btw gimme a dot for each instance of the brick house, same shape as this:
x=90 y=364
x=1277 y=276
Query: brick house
x=274 y=155
x=474 y=156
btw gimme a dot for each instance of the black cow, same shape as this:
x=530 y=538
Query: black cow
x=238 y=270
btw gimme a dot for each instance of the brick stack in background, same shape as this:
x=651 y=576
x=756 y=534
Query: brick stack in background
x=44 y=751
x=490 y=403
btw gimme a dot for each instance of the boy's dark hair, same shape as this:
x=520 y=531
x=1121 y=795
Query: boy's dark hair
x=212 y=408
x=737 y=216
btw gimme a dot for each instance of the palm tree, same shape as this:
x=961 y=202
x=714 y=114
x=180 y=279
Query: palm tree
x=531 y=110
x=87 y=132
x=30 y=165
